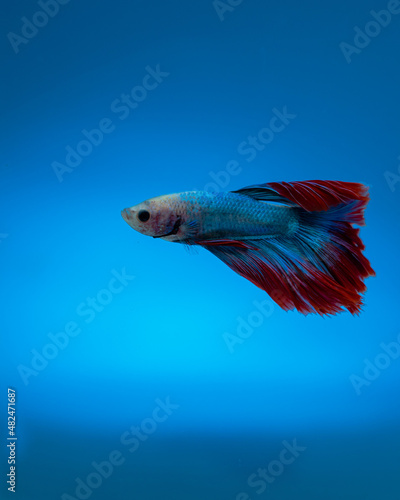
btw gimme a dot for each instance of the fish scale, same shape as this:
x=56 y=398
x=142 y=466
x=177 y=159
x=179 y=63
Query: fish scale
x=231 y=215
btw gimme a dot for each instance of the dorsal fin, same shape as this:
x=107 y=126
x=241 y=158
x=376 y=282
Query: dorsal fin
x=311 y=195
x=261 y=192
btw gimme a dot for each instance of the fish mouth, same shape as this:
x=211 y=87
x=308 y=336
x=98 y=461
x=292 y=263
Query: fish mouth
x=127 y=214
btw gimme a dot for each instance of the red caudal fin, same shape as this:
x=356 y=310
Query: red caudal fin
x=318 y=269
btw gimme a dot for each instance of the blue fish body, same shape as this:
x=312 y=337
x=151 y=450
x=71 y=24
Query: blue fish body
x=234 y=216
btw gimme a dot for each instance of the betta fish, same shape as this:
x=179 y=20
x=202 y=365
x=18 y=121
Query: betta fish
x=295 y=240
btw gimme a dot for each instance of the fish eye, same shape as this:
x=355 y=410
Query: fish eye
x=143 y=215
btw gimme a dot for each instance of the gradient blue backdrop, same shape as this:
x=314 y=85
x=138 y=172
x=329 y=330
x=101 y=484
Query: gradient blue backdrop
x=163 y=335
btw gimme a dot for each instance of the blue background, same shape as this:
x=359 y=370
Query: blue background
x=163 y=335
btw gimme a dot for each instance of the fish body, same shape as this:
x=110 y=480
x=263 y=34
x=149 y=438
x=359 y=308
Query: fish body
x=206 y=216
x=296 y=241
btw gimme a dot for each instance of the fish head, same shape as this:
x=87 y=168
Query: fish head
x=156 y=217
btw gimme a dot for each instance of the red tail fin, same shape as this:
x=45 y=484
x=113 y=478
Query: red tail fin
x=321 y=267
